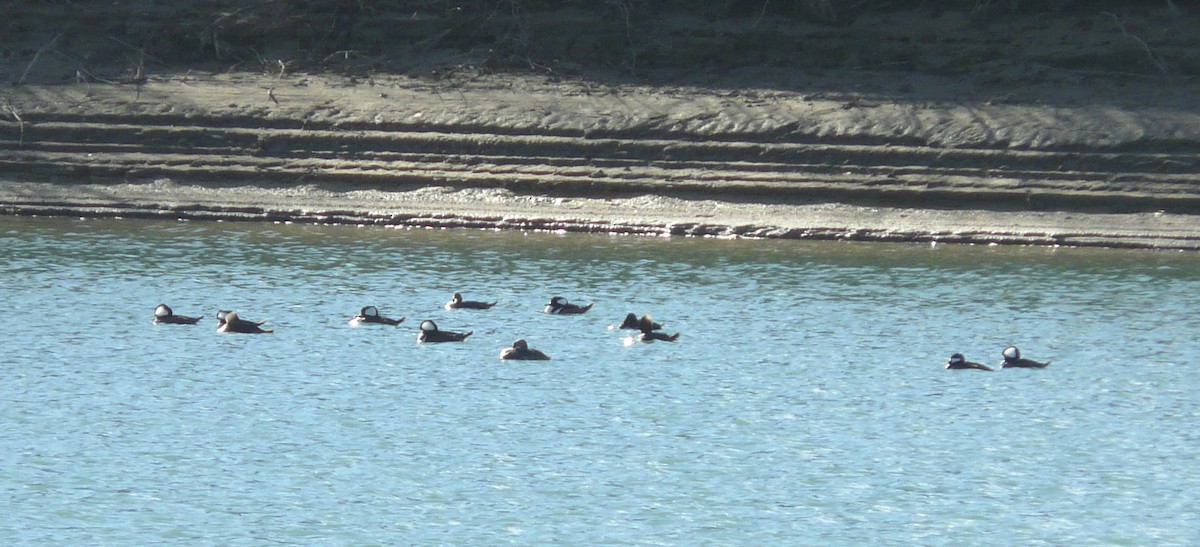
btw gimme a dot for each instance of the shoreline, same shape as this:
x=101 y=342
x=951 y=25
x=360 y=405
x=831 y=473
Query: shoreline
x=522 y=152
x=646 y=215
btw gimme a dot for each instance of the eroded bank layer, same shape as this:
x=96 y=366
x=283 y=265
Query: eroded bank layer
x=536 y=153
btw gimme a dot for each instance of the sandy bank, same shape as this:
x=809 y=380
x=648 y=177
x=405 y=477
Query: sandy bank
x=1038 y=123
x=959 y=162
x=643 y=214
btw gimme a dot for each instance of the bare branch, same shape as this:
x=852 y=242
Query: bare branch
x=49 y=45
x=1121 y=25
x=16 y=116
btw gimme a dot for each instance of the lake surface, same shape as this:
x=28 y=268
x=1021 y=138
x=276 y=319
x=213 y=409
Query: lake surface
x=806 y=402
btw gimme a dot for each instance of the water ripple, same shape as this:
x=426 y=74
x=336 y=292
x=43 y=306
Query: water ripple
x=805 y=403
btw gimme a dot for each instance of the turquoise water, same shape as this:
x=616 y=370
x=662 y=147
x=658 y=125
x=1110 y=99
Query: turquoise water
x=806 y=402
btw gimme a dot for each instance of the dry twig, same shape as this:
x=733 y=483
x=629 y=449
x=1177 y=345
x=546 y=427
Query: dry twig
x=141 y=51
x=16 y=116
x=86 y=74
x=36 y=55
x=344 y=53
x=762 y=13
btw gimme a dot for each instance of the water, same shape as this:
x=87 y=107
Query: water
x=806 y=402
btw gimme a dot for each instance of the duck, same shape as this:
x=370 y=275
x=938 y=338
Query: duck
x=559 y=306
x=958 y=362
x=1012 y=359
x=457 y=303
x=163 y=314
x=647 y=325
x=521 y=350
x=228 y=321
x=370 y=314
x=632 y=322
x=430 y=333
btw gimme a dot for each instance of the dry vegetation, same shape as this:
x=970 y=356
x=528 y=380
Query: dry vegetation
x=66 y=40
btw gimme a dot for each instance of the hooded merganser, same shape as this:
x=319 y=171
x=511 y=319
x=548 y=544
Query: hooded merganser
x=521 y=350
x=633 y=323
x=370 y=314
x=559 y=306
x=228 y=321
x=647 y=325
x=163 y=314
x=457 y=302
x=430 y=333
x=1012 y=359
x=957 y=361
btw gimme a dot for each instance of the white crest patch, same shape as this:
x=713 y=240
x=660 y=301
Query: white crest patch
x=1011 y=352
x=956 y=359
x=370 y=311
x=162 y=311
x=428 y=326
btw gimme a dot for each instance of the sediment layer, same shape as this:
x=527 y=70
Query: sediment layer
x=539 y=154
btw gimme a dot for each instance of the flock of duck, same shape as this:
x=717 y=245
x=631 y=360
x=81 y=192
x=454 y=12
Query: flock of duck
x=229 y=322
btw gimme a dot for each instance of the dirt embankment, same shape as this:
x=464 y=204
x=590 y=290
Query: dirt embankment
x=964 y=143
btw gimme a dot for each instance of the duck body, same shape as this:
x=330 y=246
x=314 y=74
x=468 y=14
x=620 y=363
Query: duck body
x=520 y=350
x=164 y=314
x=650 y=336
x=228 y=321
x=560 y=306
x=1013 y=359
x=457 y=303
x=632 y=322
x=649 y=331
x=958 y=362
x=370 y=315
x=431 y=333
